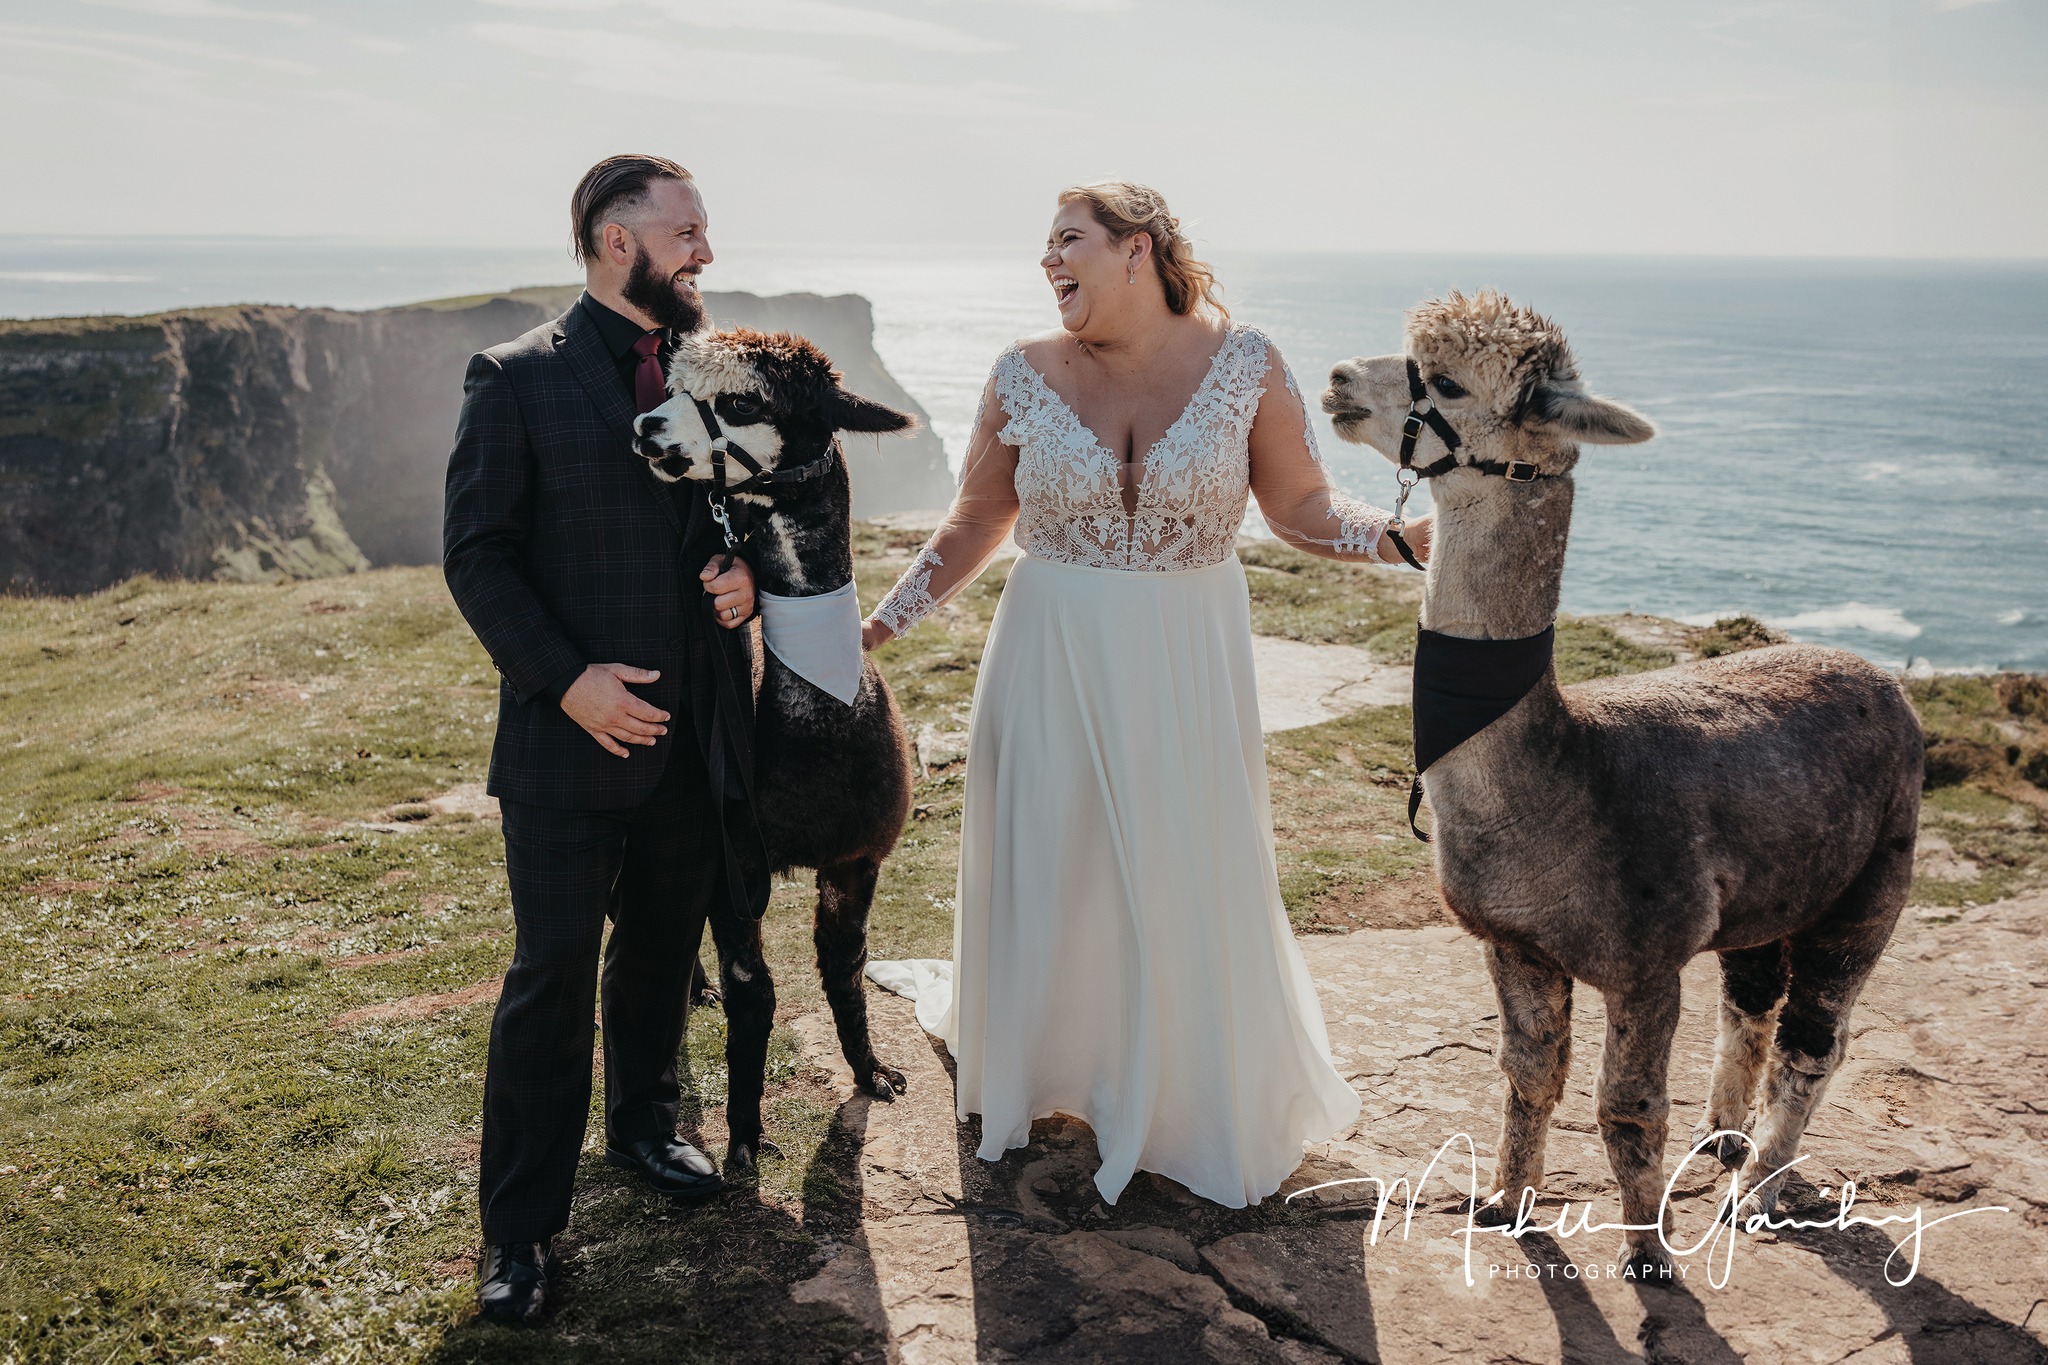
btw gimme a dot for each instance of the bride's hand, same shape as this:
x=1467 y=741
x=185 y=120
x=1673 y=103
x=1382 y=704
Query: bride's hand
x=874 y=634
x=1417 y=533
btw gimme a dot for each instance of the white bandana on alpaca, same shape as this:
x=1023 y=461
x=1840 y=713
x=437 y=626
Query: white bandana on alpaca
x=817 y=638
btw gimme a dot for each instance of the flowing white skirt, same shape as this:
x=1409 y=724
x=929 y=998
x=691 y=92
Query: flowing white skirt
x=1120 y=950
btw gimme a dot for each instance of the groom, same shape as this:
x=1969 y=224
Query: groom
x=585 y=578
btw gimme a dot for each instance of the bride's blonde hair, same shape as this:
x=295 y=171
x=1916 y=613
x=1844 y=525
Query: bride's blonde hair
x=1125 y=208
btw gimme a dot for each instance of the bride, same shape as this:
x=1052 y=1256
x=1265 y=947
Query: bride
x=1120 y=950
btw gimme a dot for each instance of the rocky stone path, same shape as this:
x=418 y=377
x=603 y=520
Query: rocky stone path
x=1307 y=684
x=1942 y=1107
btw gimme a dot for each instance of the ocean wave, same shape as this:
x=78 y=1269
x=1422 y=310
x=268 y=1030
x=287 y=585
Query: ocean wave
x=1849 y=616
x=71 y=277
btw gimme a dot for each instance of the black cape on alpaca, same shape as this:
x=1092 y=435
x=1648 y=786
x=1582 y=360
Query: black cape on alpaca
x=1462 y=686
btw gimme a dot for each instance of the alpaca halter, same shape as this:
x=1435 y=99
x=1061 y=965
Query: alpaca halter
x=758 y=476
x=1423 y=412
x=1461 y=686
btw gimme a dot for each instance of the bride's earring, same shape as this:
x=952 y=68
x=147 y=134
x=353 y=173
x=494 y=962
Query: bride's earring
x=1132 y=280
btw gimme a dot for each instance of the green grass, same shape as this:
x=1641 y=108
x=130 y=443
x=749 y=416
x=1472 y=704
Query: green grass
x=1987 y=768
x=194 y=1142
x=1300 y=597
x=239 y=1082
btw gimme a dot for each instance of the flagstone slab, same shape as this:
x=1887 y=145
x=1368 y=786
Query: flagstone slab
x=1942 y=1107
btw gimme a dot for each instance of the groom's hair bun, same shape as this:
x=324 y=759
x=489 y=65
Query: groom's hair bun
x=1124 y=209
x=615 y=183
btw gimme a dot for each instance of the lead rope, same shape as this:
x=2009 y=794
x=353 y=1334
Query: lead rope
x=1407 y=478
x=726 y=732
x=1422 y=411
x=725 y=710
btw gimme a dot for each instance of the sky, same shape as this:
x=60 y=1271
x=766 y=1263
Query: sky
x=1776 y=128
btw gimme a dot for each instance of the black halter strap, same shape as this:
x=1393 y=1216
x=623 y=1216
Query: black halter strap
x=1423 y=412
x=757 y=476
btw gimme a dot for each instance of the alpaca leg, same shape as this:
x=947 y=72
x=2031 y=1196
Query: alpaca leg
x=841 y=933
x=1813 y=1037
x=1635 y=1109
x=1535 y=1055
x=1829 y=964
x=749 y=994
x=1752 y=984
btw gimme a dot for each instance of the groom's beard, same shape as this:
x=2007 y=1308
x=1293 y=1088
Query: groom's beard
x=670 y=302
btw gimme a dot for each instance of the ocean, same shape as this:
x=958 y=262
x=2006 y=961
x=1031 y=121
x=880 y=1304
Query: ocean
x=1854 y=451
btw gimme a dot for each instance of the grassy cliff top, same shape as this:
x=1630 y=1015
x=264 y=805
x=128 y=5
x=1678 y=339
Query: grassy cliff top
x=254 y=915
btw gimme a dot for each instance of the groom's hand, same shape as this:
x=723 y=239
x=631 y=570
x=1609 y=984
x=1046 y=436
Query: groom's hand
x=599 y=702
x=731 y=585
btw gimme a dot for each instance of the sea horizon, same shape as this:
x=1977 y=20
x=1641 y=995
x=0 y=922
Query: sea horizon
x=1850 y=447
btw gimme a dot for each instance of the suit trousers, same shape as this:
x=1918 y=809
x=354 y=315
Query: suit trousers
x=652 y=870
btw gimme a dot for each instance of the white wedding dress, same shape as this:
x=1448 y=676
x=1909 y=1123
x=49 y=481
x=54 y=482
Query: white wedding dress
x=1120 y=950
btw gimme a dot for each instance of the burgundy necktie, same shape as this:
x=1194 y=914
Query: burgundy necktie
x=650 y=388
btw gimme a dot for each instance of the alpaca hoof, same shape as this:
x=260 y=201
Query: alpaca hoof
x=742 y=1156
x=885 y=1082
x=1753 y=1205
x=1728 y=1149
x=1496 y=1215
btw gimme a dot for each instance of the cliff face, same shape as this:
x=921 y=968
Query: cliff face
x=259 y=442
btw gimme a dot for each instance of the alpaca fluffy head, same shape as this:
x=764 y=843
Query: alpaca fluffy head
x=1502 y=374
x=774 y=393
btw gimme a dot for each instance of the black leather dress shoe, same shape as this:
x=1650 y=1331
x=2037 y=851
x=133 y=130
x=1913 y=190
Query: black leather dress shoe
x=512 y=1280
x=669 y=1167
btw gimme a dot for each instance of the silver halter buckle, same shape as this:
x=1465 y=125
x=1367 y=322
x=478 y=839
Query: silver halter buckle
x=724 y=520
x=1407 y=478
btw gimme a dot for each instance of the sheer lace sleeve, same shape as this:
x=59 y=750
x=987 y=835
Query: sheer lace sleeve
x=983 y=511
x=1289 y=480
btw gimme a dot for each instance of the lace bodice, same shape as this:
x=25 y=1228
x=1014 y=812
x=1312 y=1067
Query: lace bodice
x=1066 y=499
x=1193 y=481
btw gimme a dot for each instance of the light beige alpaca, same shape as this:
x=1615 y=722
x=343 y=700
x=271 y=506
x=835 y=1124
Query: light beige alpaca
x=1761 y=806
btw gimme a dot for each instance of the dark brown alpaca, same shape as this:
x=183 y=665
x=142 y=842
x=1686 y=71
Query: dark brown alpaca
x=832 y=780
x=1761 y=806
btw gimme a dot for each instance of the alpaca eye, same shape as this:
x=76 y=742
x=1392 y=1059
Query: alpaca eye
x=742 y=408
x=1447 y=386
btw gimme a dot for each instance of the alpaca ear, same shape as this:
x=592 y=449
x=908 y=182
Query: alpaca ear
x=850 y=412
x=1579 y=416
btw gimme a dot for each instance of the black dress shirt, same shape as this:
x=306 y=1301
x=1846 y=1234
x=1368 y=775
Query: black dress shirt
x=618 y=334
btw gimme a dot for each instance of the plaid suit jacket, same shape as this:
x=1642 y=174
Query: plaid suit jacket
x=562 y=549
